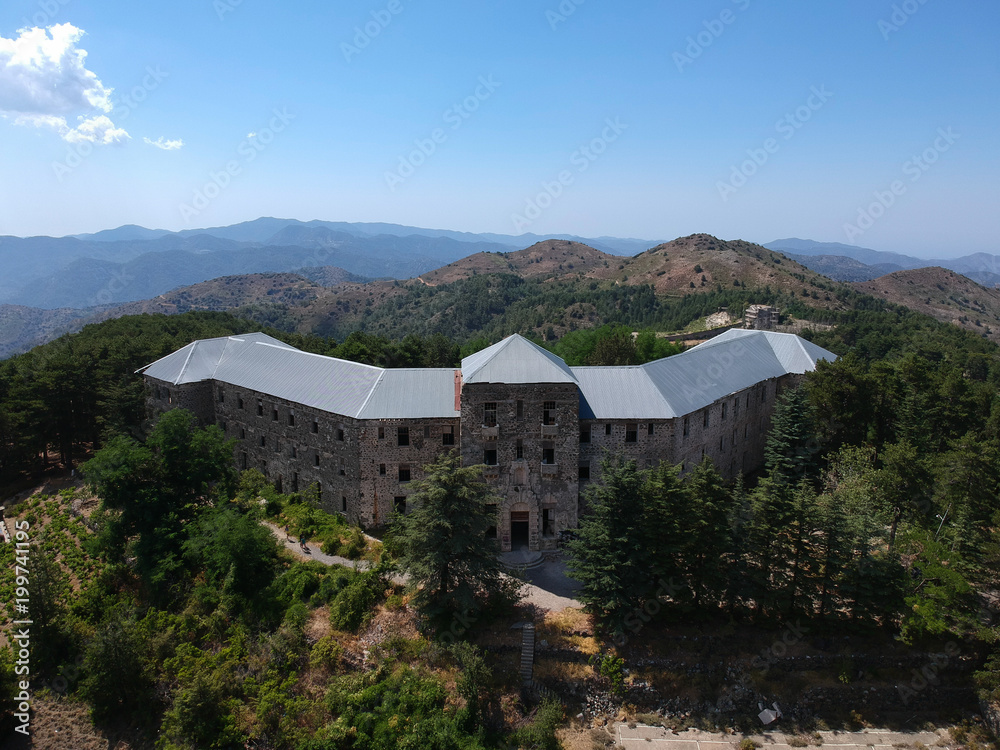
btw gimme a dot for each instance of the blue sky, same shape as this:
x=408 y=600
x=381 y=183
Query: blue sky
x=739 y=118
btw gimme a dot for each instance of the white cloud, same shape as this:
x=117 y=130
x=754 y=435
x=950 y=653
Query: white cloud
x=165 y=144
x=44 y=79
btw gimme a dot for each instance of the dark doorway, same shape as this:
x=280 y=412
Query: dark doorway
x=519 y=536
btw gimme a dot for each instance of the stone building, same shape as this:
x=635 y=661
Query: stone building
x=538 y=426
x=760 y=318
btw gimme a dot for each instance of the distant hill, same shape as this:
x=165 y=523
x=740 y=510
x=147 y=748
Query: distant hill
x=850 y=263
x=942 y=294
x=131 y=263
x=22 y=328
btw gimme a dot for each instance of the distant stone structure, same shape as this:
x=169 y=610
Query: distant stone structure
x=760 y=318
x=539 y=427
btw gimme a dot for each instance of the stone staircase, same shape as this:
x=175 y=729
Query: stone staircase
x=527 y=653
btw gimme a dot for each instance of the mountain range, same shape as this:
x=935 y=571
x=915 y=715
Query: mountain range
x=334 y=277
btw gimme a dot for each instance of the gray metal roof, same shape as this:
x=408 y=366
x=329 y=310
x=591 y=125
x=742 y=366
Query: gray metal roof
x=689 y=381
x=199 y=360
x=664 y=389
x=515 y=360
x=260 y=363
x=412 y=394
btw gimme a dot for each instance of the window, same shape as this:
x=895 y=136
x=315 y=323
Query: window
x=277 y=485
x=291 y=419
x=687 y=427
x=263 y=441
x=649 y=429
x=340 y=434
x=342 y=471
x=381 y=470
x=222 y=426
x=584 y=471
x=260 y=408
x=316 y=459
x=490 y=457
x=631 y=433
x=705 y=418
x=427 y=430
x=736 y=407
x=295 y=482
x=549 y=412
x=724 y=410
x=315 y=427
x=222 y=396
x=722 y=443
x=239 y=402
x=585 y=433
x=548 y=522
x=607 y=429
x=343 y=504
x=399 y=504
x=295 y=452
x=548 y=453
x=490 y=414
x=748 y=401
x=319 y=490
x=448 y=436
x=402 y=436
x=274 y=415
x=243 y=460
x=277 y=445
x=243 y=434
x=519 y=449
x=381 y=433
x=404 y=472
x=520 y=410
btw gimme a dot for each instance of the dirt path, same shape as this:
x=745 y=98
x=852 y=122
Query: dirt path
x=657 y=738
x=547 y=588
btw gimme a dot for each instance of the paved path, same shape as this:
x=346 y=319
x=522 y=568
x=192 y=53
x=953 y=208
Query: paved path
x=548 y=586
x=658 y=738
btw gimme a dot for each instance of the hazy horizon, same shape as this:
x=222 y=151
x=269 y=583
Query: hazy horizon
x=859 y=123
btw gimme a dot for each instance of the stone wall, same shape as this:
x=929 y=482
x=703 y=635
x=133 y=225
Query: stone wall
x=382 y=458
x=294 y=445
x=536 y=464
x=195 y=397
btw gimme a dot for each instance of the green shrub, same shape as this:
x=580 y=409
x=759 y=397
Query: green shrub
x=353 y=605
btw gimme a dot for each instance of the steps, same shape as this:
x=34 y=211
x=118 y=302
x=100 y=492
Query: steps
x=527 y=653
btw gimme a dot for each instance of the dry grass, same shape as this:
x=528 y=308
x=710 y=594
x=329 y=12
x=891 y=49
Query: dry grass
x=584 y=739
x=562 y=629
x=554 y=669
x=61 y=724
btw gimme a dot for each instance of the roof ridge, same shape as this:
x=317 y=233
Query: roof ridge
x=288 y=347
x=180 y=373
x=371 y=392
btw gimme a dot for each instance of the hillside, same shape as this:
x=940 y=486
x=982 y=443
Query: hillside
x=942 y=294
x=21 y=327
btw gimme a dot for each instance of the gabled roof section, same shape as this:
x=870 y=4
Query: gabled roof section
x=515 y=360
x=199 y=360
x=260 y=363
x=689 y=381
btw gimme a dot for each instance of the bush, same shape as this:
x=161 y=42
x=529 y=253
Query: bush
x=540 y=734
x=354 y=604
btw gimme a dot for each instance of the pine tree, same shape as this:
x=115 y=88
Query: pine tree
x=705 y=554
x=790 y=453
x=444 y=546
x=609 y=557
